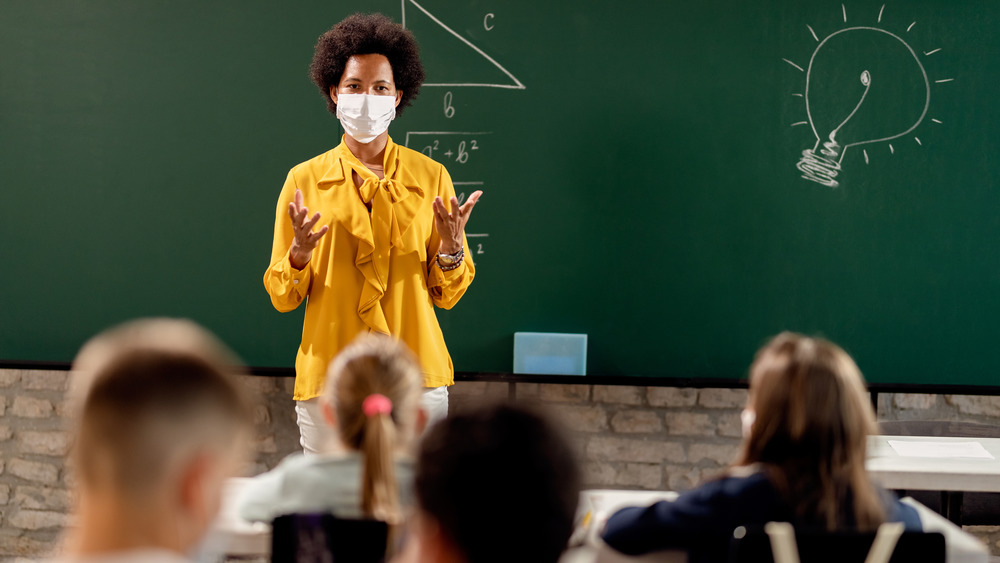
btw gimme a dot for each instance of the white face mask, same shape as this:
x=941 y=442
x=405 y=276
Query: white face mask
x=747 y=418
x=365 y=116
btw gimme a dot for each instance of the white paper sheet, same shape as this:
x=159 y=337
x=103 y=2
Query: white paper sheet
x=968 y=449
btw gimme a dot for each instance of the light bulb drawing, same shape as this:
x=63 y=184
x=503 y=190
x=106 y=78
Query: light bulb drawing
x=863 y=85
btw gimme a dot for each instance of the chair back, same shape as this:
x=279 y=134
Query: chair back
x=324 y=538
x=771 y=545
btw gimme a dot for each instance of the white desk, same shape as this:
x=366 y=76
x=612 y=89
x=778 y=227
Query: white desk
x=234 y=535
x=894 y=471
x=952 y=476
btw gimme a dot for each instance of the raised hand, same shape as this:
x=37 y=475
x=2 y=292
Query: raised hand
x=305 y=240
x=451 y=226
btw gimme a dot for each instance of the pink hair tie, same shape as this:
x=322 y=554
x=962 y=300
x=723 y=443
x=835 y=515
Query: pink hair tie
x=375 y=404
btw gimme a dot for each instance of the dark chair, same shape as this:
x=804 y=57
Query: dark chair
x=754 y=546
x=324 y=538
x=972 y=508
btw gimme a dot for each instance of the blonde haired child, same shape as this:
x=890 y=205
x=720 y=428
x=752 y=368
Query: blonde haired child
x=371 y=399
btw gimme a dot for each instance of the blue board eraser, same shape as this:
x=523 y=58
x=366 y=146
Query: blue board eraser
x=550 y=353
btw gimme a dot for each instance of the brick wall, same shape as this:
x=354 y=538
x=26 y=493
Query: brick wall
x=627 y=437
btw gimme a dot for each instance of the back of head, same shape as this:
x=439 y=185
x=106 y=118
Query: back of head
x=150 y=395
x=812 y=420
x=374 y=388
x=501 y=482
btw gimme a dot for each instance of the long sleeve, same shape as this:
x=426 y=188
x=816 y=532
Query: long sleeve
x=704 y=518
x=446 y=288
x=287 y=286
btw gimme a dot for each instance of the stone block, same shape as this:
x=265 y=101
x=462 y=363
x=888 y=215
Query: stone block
x=682 y=477
x=636 y=422
x=598 y=473
x=618 y=394
x=37 y=519
x=914 y=401
x=721 y=454
x=671 y=397
x=42 y=498
x=30 y=407
x=35 y=471
x=261 y=415
x=266 y=444
x=558 y=393
x=48 y=380
x=288 y=384
x=258 y=384
x=643 y=475
x=975 y=404
x=5 y=433
x=4 y=494
x=3 y=405
x=634 y=450
x=686 y=423
x=44 y=443
x=722 y=398
x=581 y=418
x=15 y=542
x=62 y=408
x=527 y=390
x=729 y=425
x=467 y=389
x=9 y=377
x=497 y=389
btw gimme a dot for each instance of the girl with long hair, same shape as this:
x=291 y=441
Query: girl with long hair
x=371 y=401
x=802 y=461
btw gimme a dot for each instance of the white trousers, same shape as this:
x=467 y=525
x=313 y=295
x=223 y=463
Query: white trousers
x=316 y=436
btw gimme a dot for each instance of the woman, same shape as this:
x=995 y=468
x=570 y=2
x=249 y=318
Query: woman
x=802 y=461
x=371 y=404
x=386 y=242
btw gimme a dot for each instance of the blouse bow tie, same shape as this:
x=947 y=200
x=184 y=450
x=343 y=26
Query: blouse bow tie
x=373 y=185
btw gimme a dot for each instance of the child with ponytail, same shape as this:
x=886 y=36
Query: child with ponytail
x=371 y=399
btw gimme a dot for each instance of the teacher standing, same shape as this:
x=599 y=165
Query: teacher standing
x=370 y=232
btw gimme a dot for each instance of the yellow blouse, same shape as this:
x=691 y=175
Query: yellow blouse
x=371 y=272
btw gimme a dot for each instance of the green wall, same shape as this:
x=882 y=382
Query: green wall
x=641 y=188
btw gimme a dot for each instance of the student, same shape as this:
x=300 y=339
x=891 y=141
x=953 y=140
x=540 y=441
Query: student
x=802 y=461
x=159 y=424
x=493 y=485
x=371 y=401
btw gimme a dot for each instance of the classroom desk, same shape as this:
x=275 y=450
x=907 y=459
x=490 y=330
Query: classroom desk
x=233 y=535
x=953 y=476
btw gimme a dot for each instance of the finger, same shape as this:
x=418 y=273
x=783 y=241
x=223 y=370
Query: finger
x=455 y=205
x=471 y=202
x=298 y=198
x=308 y=225
x=313 y=237
x=439 y=211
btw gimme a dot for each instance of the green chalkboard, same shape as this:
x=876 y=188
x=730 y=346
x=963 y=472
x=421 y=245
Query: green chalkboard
x=641 y=163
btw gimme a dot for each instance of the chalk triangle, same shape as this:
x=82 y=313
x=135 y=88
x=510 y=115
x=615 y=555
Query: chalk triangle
x=455 y=61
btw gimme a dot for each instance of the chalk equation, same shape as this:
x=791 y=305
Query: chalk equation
x=863 y=85
x=460 y=151
x=446 y=146
x=457 y=147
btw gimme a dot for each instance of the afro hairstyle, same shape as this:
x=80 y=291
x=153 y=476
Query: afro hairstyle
x=366 y=34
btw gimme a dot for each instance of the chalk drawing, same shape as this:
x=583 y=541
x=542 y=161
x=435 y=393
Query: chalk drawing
x=823 y=162
x=515 y=83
